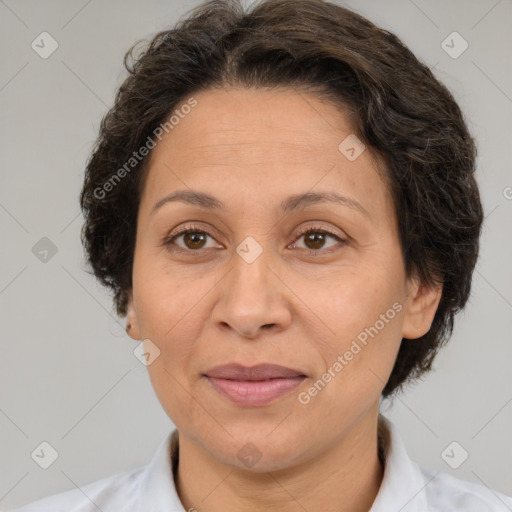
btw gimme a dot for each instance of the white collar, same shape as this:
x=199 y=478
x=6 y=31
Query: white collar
x=403 y=482
x=157 y=491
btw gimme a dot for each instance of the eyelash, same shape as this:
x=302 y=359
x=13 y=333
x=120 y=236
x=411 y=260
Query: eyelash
x=196 y=229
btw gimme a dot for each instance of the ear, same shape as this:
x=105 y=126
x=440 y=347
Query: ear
x=131 y=319
x=421 y=306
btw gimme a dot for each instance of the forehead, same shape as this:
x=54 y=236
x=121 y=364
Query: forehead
x=227 y=118
x=266 y=142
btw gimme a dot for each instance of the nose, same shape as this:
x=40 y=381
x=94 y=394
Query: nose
x=253 y=298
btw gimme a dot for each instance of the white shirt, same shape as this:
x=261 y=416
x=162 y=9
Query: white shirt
x=406 y=487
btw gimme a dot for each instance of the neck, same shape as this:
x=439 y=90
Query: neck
x=344 y=478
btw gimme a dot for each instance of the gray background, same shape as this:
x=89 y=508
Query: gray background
x=68 y=374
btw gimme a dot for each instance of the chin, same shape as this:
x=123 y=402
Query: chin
x=257 y=451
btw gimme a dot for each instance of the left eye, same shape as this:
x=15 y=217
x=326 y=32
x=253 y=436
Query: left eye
x=316 y=238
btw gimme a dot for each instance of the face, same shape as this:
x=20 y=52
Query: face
x=260 y=276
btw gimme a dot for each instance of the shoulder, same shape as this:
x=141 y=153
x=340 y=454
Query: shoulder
x=409 y=487
x=114 y=493
x=445 y=492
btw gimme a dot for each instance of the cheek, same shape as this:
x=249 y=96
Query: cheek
x=363 y=312
x=171 y=391
x=165 y=296
x=350 y=299
x=169 y=313
x=357 y=366
x=171 y=316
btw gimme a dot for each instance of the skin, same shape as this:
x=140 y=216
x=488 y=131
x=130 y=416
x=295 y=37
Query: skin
x=206 y=306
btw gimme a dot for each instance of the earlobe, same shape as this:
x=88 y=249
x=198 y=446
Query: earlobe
x=421 y=307
x=132 y=324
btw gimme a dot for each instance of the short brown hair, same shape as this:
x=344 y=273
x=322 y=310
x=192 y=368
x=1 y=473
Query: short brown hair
x=398 y=107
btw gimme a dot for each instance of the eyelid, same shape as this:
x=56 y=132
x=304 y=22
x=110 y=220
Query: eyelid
x=192 y=226
x=322 y=229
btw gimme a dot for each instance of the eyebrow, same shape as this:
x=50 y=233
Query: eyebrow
x=291 y=203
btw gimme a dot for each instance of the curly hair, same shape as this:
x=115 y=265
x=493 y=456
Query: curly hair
x=399 y=109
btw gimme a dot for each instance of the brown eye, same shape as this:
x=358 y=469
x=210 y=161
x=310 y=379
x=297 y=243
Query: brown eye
x=194 y=239
x=191 y=240
x=315 y=240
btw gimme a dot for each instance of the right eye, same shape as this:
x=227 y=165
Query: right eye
x=193 y=239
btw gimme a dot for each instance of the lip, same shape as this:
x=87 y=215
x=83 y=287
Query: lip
x=254 y=385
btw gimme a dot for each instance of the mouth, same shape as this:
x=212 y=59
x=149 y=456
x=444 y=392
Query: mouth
x=253 y=385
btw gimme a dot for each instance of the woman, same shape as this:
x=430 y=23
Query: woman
x=283 y=202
